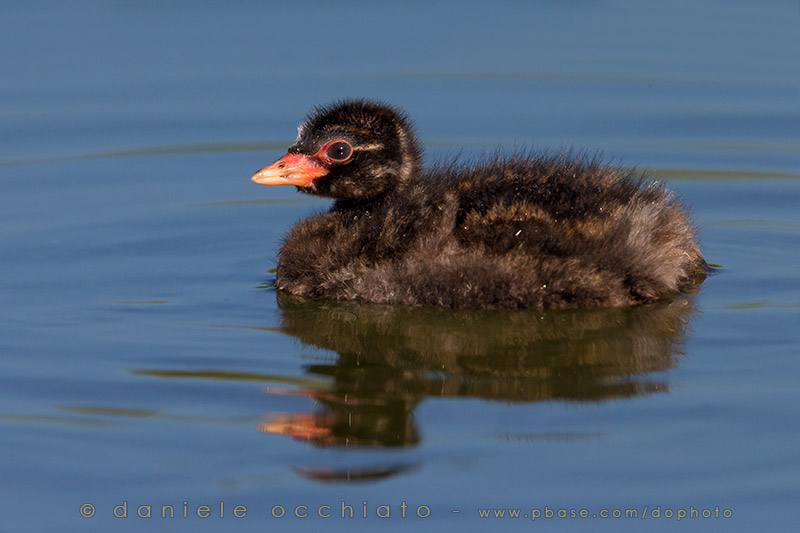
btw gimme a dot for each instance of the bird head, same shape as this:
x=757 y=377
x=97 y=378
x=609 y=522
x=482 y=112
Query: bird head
x=350 y=150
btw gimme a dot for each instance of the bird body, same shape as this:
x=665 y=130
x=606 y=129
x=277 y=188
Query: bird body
x=529 y=231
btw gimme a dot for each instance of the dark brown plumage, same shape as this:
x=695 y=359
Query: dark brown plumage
x=529 y=231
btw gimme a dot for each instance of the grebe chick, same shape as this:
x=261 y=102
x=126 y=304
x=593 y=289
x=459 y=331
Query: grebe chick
x=528 y=231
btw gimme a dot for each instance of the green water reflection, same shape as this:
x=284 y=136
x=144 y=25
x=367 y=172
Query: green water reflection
x=390 y=359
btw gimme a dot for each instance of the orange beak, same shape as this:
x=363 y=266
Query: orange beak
x=291 y=169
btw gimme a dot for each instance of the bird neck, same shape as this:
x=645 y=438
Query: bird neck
x=361 y=205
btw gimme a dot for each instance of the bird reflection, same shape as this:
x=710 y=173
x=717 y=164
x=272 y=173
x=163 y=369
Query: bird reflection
x=392 y=358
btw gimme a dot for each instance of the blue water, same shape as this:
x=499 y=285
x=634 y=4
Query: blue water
x=145 y=359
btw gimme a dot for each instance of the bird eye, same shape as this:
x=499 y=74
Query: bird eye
x=339 y=151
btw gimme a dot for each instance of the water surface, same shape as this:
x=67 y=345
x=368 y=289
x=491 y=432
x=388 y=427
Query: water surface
x=147 y=359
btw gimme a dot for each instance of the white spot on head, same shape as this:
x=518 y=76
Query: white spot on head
x=301 y=130
x=373 y=146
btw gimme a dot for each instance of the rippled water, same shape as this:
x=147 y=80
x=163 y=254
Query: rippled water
x=147 y=361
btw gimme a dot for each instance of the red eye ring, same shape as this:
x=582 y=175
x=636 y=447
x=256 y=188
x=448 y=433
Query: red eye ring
x=338 y=151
